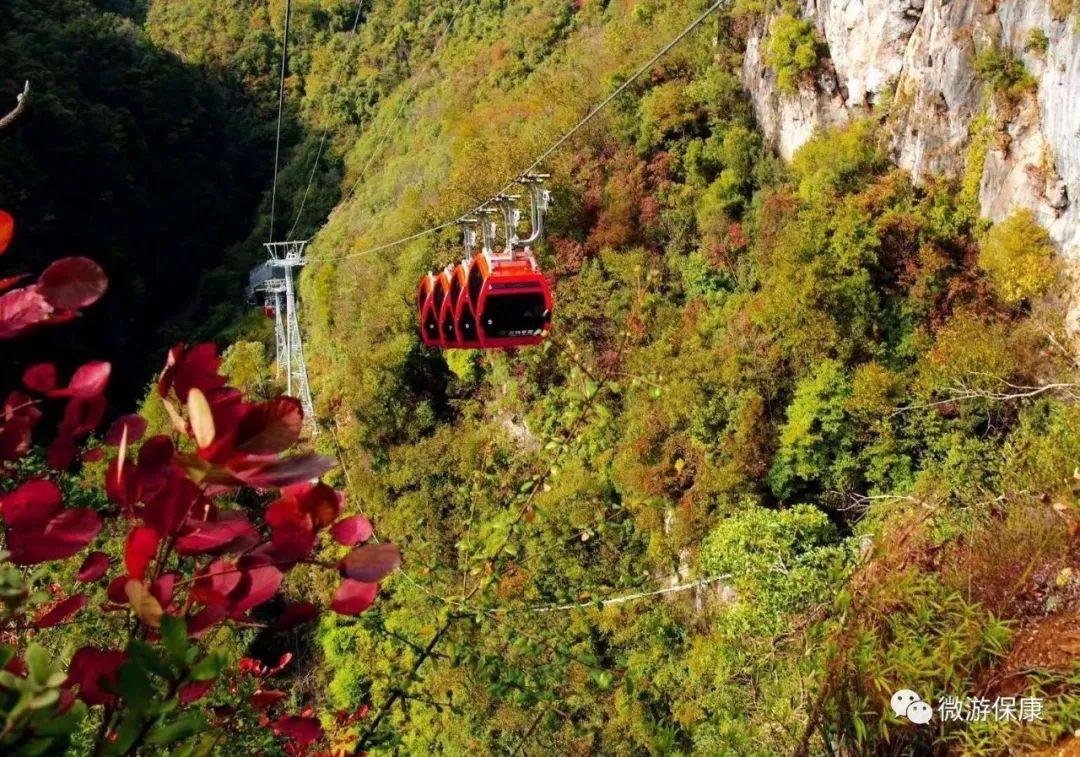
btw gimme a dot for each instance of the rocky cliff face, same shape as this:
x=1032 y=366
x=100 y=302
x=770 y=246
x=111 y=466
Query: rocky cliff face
x=912 y=62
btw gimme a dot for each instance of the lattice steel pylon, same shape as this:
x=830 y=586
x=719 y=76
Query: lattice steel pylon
x=290 y=343
x=276 y=288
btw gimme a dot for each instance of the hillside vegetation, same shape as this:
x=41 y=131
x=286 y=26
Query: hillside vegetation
x=148 y=163
x=844 y=396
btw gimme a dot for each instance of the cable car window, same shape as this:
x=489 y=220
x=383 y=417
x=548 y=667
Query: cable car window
x=515 y=315
x=476 y=283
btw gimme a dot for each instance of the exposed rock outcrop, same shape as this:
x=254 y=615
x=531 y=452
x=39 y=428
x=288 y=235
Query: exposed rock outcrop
x=913 y=62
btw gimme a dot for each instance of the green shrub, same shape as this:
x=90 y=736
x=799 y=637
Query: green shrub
x=780 y=561
x=1017 y=255
x=1037 y=42
x=1004 y=72
x=793 y=50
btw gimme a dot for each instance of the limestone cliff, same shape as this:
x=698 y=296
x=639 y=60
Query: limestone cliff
x=912 y=63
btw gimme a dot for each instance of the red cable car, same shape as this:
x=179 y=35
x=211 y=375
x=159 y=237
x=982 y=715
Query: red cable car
x=450 y=288
x=268 y=310
x=428 y=310
x=512 y=300
x=465 y=313
x=495 y=299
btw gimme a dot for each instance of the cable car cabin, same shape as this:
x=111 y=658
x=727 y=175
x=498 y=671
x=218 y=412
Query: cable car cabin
x=450 y=289
x=511 y=299
x=428 y=302
x=465 y=312
x=268 y=310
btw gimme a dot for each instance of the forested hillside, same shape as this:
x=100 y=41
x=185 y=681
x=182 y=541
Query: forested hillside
x=146 y=162
x=840 y=403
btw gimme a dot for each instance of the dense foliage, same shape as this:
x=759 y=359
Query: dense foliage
x=147 y=163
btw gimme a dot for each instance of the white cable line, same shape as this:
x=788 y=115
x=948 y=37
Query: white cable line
x=550 y=150
x=602 y=603
x=280 y=111
x=326 y=130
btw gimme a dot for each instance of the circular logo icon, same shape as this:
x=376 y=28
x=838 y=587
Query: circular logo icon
x=903 y=699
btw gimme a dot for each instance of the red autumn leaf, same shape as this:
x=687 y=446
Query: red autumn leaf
x=162 y=587
x=203 y=621
x=139 y=549
x=259 y=582
x=156 y=452
x=172 y=360
x=288 y=546
x=196 y=368
x=40 y=377
x=116 y=591
x=215 y=582
x=299 y=729
x=122 y=485
x=31 y=505
x=275 y=474
x=371 y=562
x=21 y=309
x=263 y=699
x=296 y=614
x=270 y=427
x=168 y=499
x=94 y=671
x=7 y=230
x=353 y=597
x=84 y=414
x=94 y=567
x=72 y=283
x=95 y=455
x=64 y=535
x=135 y=425
x=216 y=537
x=286 y=516
x=352 y=530
x=15 y=438
x=320 y=502
x=62 y=611
x=91 y=379
x=194 y=691
x=282 y=663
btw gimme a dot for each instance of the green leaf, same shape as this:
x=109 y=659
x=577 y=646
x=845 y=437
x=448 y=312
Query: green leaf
x=133 y=685
x=151 y=659
x=7 y=652
x=11 y=681
x=182 y=728
x=38 y=664
x=126 y=733
x=46 y=698
x=207 y=669
x=62 y=725
x=174 y=635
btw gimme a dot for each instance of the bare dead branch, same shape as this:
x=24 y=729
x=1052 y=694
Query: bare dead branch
x=20 y=106
x=961 y=392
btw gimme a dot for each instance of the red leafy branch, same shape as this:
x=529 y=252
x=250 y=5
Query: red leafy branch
x=188 y=555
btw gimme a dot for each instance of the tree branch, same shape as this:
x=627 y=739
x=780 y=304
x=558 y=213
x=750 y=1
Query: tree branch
x=20 y=106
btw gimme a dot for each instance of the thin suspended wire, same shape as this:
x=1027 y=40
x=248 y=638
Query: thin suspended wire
x=326 y=130
x=280 y=112
x=404 y=102
x=602 y=603
x=556 y=145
